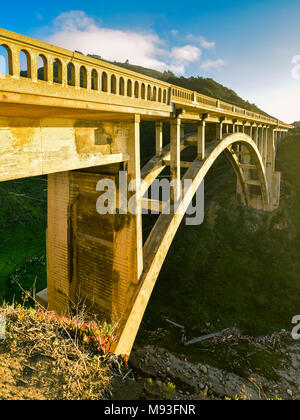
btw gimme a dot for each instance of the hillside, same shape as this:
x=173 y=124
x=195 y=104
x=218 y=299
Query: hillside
x=206 y=86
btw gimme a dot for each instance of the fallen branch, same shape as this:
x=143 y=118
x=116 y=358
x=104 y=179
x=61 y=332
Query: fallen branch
x=205 y=337
x=173 y=323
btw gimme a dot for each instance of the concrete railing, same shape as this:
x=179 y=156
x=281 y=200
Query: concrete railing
x=47 y=65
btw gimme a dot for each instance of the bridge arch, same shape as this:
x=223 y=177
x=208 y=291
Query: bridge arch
x=162 y=234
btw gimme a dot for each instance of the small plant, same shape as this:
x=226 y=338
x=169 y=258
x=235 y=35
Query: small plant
x=150 y=381
x=171 y=387
x=89 y=333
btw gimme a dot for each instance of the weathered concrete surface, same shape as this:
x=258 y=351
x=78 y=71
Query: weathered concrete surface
x=31 y=147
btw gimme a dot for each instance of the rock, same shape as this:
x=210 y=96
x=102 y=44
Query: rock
x=203 y=369
x=201 y=386
x=289 y=392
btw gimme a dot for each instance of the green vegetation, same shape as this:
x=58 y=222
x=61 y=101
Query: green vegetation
x=23 y=217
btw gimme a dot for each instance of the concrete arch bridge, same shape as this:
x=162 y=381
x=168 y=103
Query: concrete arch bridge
x=77 y=120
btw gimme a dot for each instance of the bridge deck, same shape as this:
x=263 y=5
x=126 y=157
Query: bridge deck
x=78 y=86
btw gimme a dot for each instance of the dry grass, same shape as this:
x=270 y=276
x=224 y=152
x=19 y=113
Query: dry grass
x=48 y=357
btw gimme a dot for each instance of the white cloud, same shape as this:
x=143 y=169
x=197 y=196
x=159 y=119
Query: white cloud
x=75 y=30
x=215 y=64
x=202 y=41
x=188 y=53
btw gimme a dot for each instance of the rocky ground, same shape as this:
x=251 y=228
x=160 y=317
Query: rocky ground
x=158 y=374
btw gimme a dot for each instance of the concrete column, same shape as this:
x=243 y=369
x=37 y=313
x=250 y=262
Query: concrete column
x=219 y=131
x=158 y=138
x=270 y=155
x=273 y=177
x=182 y=131
x=134 y=172
x=255 y=135
x=15 y=62
x=260 y=140
x=33 y=67
x=175 y=159
x=64 y=74
x=251 y=131
x=89 y=79
x=265 y=145
x=201 y=140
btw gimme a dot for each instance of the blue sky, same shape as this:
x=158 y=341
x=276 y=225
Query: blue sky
x=248 y=46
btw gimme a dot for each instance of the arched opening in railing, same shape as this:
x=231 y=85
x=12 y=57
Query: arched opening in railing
x=57 y=71
x=83 y=77
x=42 y=68
x=159 y=95
x=71 y=74
x=165 y=96
x=154 y=94
x=136 y=89
x=149 y=93
x=25 y=64
x=121 y=86
x=129 y=88
x=104 y=85
x=5 y=60
x=94 y=80
x=143 y=91
x=113 y=84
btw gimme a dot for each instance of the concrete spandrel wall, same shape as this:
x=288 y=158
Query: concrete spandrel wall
x=31 y=147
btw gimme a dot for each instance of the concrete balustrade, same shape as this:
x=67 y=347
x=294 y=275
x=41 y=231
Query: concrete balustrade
x=53 y=66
